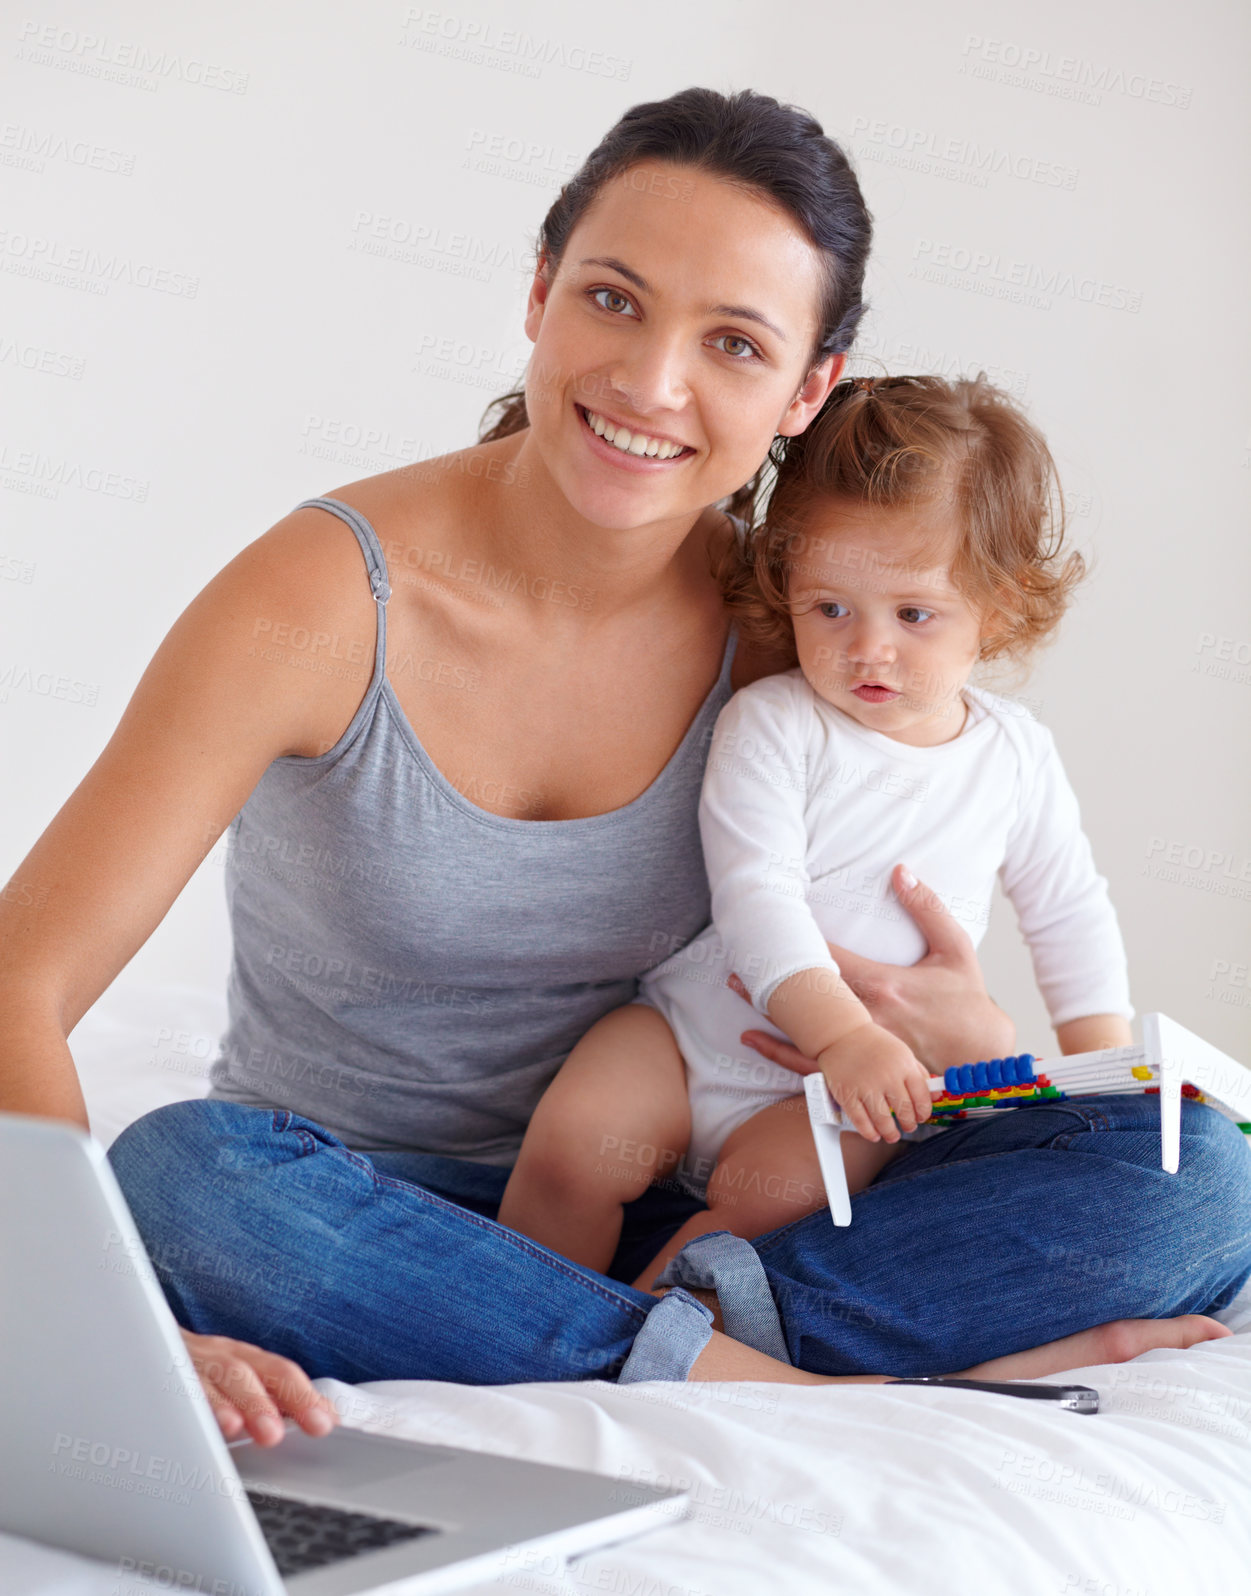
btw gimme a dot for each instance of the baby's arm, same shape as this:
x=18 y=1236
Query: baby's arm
x=615 y=1118
x=875 y=1078
x=1092 y=1031
x=753 y=824
x=1064 y=909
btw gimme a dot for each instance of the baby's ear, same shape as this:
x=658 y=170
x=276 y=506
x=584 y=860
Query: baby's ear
x=1000 y=624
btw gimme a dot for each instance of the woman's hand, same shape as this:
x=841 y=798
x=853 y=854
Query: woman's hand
x=250 y=1390
x=938 y=1006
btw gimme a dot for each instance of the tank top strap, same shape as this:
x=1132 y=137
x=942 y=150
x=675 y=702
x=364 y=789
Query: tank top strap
x=375 y=564
x=727 y=660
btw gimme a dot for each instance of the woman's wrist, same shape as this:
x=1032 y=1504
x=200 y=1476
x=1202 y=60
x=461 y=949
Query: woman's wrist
x=956 y=1027
x=991 y=1035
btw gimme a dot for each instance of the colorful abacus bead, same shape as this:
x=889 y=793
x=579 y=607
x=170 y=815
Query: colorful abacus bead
x=961 y=1079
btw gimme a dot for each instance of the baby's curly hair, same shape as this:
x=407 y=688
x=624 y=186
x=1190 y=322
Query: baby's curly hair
x=893 y=442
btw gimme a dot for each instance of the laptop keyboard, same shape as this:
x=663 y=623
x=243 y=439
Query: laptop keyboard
x=304 y=1535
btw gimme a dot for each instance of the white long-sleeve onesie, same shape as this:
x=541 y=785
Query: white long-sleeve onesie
x=803 y=815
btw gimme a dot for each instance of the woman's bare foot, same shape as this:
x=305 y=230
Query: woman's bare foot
x=1116 y=1342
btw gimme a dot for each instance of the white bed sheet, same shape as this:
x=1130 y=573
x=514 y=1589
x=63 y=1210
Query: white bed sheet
x=893 y=1492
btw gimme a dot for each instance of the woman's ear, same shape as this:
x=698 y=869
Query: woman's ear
x=539 y=287
x=815 y=391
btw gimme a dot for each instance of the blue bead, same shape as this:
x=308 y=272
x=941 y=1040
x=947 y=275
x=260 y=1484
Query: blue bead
x=980 y=1078
x=994 y=1072
x=951 y=1079
x=966 y=1077
x=1026 y=1061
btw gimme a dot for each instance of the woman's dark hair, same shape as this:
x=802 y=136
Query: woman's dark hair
x=750 y=139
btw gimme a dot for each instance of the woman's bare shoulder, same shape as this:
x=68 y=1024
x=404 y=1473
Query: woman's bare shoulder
x=270 y=659
x=313 y=562
x=293 y=615
x=430 y=498
x=307 y=568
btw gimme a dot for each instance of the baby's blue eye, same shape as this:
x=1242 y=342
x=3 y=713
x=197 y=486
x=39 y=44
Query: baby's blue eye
x=829 y=609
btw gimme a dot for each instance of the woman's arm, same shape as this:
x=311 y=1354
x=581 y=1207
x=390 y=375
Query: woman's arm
x=209 y=714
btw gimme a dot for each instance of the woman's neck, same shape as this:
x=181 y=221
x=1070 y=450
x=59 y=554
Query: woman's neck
x=519 y=519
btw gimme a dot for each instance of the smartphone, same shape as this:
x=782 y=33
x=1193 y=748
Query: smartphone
x=1077 y=1398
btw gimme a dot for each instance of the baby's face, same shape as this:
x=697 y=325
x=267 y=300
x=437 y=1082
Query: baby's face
x=881 y=632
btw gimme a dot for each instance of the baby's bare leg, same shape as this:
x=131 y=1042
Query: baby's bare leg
x=863 y=1161
x=767 y=1175
x=615 y=1117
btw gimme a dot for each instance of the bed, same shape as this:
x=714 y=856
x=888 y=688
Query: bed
x=870 y=1489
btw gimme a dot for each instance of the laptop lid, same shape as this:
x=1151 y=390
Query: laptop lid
x=94 y=1460
x=111 y=1448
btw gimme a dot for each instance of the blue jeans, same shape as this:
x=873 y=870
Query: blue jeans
x=998 y=1235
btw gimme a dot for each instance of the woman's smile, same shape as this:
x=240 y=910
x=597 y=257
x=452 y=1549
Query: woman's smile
x=631 y=448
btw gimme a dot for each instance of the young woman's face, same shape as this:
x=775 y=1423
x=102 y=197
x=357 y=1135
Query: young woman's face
x=881 y=630
x=681 y=318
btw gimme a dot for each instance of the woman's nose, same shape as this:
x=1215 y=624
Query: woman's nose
x=652 y=376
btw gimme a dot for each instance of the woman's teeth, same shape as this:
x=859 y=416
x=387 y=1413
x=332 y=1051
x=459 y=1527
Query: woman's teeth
x=631 y=442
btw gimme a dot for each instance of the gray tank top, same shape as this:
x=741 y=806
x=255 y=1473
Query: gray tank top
x=410 y=970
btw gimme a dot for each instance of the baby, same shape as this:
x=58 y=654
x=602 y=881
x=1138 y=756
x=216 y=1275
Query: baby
x=914 y=531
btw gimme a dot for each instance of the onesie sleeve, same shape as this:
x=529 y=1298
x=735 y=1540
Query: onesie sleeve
x=1062 y=903
x=754 y=832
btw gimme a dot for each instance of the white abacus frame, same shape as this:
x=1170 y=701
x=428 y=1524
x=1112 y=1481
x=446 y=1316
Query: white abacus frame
x=1169 y=1053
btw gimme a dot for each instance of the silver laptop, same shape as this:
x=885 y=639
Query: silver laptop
x=109 y=1447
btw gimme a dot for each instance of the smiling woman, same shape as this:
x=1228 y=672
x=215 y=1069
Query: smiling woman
x=514 y=829
x=740 y=357
x=639 y=346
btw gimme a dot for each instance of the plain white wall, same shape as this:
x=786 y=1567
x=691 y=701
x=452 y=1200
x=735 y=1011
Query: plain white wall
x=195 y=340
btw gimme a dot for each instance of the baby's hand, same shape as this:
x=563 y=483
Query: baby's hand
x=870 y=1072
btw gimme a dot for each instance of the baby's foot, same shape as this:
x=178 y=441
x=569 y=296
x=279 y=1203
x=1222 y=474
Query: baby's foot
x=1116 y=1342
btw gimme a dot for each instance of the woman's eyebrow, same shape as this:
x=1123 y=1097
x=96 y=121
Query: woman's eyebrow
x=615 y=265
x=746 y=313
x=631 y=276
